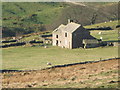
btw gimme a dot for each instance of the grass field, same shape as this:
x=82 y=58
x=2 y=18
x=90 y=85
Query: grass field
x=106 y=35
x=112 y=24
x=37 y=57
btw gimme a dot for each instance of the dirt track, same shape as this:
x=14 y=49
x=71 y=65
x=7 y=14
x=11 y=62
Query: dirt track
x=80 y=76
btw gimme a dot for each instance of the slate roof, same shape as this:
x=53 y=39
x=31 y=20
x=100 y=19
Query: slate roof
x=60 y=28
x=70 y=27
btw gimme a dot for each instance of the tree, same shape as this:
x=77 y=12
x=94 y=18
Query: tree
x=93 y=18
x=42 y=27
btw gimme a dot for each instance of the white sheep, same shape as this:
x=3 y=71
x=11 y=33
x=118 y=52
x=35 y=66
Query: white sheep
x=101 y=38
x=110 y=20
x=45 y=47
x=49 y=63
x=100 y=33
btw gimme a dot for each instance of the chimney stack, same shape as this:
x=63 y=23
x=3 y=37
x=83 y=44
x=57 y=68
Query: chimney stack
x=69 y=20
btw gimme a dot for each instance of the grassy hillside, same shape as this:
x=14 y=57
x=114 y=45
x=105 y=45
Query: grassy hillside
x=37 y=57
x=34 y=13
x=108 y=35
x=91 y=13
x=31 y=17
x=112 y=24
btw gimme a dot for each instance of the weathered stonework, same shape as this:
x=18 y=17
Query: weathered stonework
x=70 y=35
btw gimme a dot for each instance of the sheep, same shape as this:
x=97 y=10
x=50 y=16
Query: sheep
x=100 y=33
x=63 y=47
x=101 y=38
x=49 y=63
x=45 y=47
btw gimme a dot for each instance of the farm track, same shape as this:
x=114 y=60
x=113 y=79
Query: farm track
x=82 y=75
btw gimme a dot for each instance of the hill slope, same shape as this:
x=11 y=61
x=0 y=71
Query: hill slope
x=30 y=17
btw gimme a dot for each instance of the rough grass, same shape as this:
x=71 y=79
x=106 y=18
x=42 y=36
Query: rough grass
x=92 y=75
x=99 y=80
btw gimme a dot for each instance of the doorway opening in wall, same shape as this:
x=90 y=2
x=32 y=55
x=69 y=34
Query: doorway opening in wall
x=56 y=42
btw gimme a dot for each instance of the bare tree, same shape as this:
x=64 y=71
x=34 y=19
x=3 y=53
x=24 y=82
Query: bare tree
x=93 y=18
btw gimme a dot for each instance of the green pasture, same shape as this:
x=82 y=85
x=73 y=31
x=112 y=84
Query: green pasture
x=46 y=13
x=112 y=24
x=37 y=57
x=108 y=35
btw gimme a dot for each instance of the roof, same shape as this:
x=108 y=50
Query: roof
x=60 y=28
x=70 y=27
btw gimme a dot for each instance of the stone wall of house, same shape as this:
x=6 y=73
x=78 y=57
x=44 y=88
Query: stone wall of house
x=78 y=36
x=53 y=39
x=66 y=39
x=72 y=40
x=62 y=40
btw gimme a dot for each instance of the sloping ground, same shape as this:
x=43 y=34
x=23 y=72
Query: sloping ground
x=111 y=24
x=18 y=19
x=99 y=74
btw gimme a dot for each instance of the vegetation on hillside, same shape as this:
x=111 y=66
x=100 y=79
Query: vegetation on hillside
x=27 y=17
x=111 y=24
x=22 y=18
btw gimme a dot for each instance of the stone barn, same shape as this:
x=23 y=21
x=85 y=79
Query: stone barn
x=91 y=43
x=70 y=35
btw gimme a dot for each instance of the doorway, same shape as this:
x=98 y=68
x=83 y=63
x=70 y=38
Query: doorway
x=56 y=42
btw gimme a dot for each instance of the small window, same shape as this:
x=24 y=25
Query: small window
x=56 y=36
x=65 y=34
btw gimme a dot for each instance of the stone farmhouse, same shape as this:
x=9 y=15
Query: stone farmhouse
x=73 y=35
